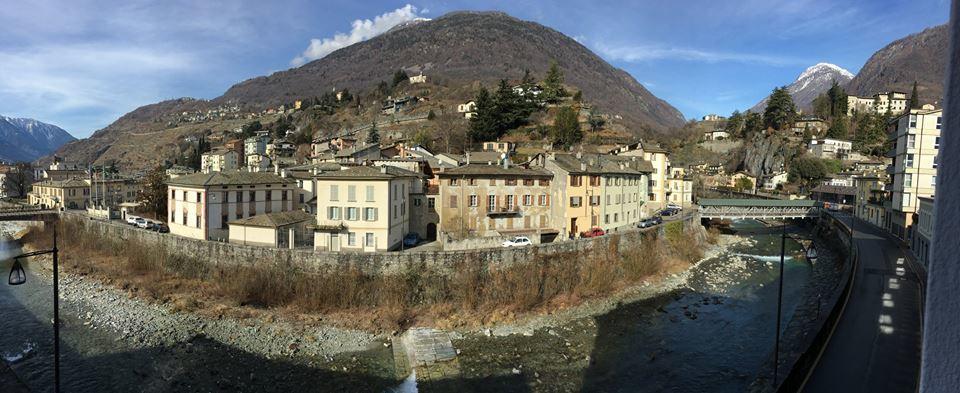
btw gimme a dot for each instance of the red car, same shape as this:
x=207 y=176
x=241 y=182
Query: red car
x=592 y=233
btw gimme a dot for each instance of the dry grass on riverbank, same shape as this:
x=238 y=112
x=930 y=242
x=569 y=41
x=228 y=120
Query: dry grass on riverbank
x=467 y=294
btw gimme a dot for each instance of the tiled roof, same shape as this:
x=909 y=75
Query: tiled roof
x=228 y=178
x=494 y=170
x=602 y=164
x=482 y=157
x=369 y=172
x=274 y=220
x=74 y=182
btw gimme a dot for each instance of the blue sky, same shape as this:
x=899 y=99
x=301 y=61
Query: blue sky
x=81 y=64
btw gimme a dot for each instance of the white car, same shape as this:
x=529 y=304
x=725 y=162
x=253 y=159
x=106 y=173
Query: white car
x=132 y=220
x=142 y=222
x=518 y=241
x=674 y=206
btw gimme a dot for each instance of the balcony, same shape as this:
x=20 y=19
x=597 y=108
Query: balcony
x=504 y=211
x=330 y=226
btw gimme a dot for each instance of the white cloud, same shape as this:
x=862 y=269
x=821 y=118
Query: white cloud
x=362 y=30
x=642 y=53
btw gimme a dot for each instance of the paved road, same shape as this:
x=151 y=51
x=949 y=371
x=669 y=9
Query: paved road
x=876 y=347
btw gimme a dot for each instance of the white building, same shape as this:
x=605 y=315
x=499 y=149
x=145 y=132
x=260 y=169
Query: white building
x=418 y=79
x=200 y=205
x=468 y=109
x=770 y=182
x=894 y=101
x=219 y=160
x=829 y=148
x=914 y=170
x=716 y=135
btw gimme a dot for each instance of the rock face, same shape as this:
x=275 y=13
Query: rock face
x=28 y=139
x=459 y=49
x=812 y=82
x=920 y=57
x=763 y=154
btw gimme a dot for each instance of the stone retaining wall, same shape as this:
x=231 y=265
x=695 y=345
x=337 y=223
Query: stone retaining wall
x=217 y=253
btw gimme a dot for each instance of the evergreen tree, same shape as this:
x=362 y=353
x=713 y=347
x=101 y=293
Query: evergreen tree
x=734 y=124
x=373 y=136
x=780 y=111
x=838 y=100
x=596 y=121
x=484 y=124
x=553 y=83
x=914 y=97
x=839 y=128
x=566 y=128
x=822 y=107
x=752 y=124
x=527 y=79
x=578 y=96
x=398 y=77
x=345 y=96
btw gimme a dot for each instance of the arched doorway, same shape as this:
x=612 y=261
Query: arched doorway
x=431 y=231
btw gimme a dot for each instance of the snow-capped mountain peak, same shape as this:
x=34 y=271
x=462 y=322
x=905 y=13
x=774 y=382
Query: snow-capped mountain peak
x=824 y=68
x=27 y=139
x=813 y=81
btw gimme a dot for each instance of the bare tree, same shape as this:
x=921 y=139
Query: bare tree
x=18 y=179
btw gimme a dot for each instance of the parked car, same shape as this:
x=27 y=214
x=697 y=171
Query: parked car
x=132 y=220
x=161 y=227
x=594 y=232
x=674 y=206
x=518 y=241
x=649 y=222
x=668 y=212
x=142 y=222
x=412 y=239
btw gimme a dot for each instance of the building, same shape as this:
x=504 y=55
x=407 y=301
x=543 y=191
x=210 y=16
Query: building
x=280 y=148
x=713 y=117
x=809 y=125
x=913 y=172
x=841 y=195
x=829 y=148
x=178 y=170
x=110 y=193
x=256 y=145
x=679 y=188
x=200 y=205
x=740 y=177
x=597 y=191
x=219 y=160
x=69 y=194
x=771 y=181
x=258 y=163
x=870 y=199
x=289 y=229
x=468 y=109
x=716 y=135
x=364 y=208
x=418 y=79
x=478 y=200
x=895 y=102
x=63 y=174
x=923 y=233
x=500 y=147
x=660 y=161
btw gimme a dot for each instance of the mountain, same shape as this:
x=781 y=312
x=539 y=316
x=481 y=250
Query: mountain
x=812 y=82
x=28 y=139
x=461 y=48
x=919 y=57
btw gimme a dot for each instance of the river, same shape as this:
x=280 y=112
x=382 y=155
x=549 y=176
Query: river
x=711 y=335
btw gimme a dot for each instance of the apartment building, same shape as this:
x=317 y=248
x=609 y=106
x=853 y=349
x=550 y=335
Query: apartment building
x=923 y=234
x=495 y=200
x=70 y=193
x=660 y=162
x=219 y=160
x=829 y=148
x=597 y=191
x=364 y=208
x=201 y=205
x=256 y=144
x=894 y=101
x=913 y=172
x=870 y=199
x=112 y=192
x=679 y=188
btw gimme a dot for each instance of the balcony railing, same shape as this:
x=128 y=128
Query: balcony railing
x=503 y=211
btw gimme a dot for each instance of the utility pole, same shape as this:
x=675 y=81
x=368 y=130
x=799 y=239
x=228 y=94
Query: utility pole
x=776 y=351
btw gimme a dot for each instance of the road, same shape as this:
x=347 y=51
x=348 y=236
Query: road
x=876 y=345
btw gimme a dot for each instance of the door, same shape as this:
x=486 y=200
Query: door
x=573 y=227
x=431 y=231
x=334 y=242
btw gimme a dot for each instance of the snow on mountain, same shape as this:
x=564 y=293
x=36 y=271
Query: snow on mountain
x=812 y=82
x=28 y=139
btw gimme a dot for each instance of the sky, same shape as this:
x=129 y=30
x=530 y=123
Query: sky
x=81 y=64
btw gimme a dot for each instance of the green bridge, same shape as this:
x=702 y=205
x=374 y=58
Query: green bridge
x=758 y=208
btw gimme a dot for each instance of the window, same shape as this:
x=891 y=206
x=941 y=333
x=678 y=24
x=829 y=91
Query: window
x=527 y=200
x=575 y=202
x=913 y=121
x=511 y=182
x=933 y=181
x=368 y=240
x=939 y=122
x=936 y=142
x=575 y=181
x=609 y=181
x=198 y=197
x=184 y=218
x=528 y=182
x=906 y=199
x=908 y=180
x=606 y=218
x=370 y=214
x=223 y=221
x=198 y=221
x=283 y=194
x=594 y=200
x=352 y=214
x=911 y=141
x=543 y=201
x=416 y=202
x=608 y=199
x=936 y=161
x=252 y=196
x=472 y=181
x=351 y=193
x=453 y=182
x=909 y=161
x=369 y=193
x=334 y=192
x=473 y=201
x=351 y=238
x=453 y=201
x=269 y=195
x=431 y=203
x=301 y=198
x=616 y=217
x=509 y=202
x=333 y=213
x=544 y=182
x=491 y=202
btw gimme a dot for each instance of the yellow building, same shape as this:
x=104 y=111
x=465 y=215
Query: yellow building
x=364 y=208
x=679 y=188
x=200 y=205
x=597 y=191
x=870 y=199
x=219 y=160
x=495 y=200
x=69 y=194
x=916 y=138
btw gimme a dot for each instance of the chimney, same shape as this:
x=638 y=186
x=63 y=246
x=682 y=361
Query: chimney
x=583 y=166
x=468 y=158
x=383 y=169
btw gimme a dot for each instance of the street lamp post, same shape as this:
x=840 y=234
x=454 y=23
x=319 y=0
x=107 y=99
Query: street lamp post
x=18 y=276
x=776 y=351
